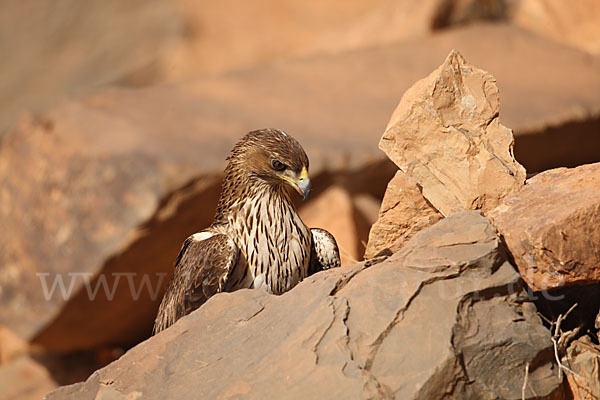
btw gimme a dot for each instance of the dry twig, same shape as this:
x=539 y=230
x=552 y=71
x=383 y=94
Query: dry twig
x=561 y=340
x=524 y=387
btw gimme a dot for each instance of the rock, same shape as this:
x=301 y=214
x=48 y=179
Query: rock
x=583 y=358
x=575 y=23
x=550 y=227
x=74 y=208
x=11 y=346
x=445 y=134
x=25 y=379
x=334 y=211
x=433 y=321
x=56 y=51
x=404 y=211
x=220 y=40
x=461 y=12
x=154 y=41
x=133 y=165
x=459 y=258
x=367 y=206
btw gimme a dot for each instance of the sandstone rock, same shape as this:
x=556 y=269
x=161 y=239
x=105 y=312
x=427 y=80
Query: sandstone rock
x=445 y=134
x=175 y=40
x=574 y=23
x=459 y=256
x=460 y=12
x=404 y=211
x=333 y=210
x=583 y=358
x=24 y=379
x=11 y=346
x=551 y=227
x=156 y=41
x=356 y=332
x=220 y=40
x=142 y=145
x=56 y=51
x=368 y=207
x=74 y=207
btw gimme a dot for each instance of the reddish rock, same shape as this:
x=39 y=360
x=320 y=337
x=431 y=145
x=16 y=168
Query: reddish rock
x=149 y=41
x=24 y=379
x=583 y=358
x=404 y=211
x=220 y=40
x=11 y=346
x=446 y=136
x=551 y=227
x=334 y=211
x=366 y=212
x=57 y=51
x=356 y=332
x=574 y=23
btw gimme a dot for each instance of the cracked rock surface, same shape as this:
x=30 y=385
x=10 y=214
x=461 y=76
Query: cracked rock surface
x=551 y=227
x=403 y=212
x=445 y=317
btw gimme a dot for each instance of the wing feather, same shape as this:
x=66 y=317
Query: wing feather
x=324 y=252
x=201 y=271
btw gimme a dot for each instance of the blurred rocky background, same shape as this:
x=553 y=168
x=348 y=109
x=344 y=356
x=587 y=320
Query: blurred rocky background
x=115 y=121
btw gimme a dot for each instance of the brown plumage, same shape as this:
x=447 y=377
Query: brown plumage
x=257 y=239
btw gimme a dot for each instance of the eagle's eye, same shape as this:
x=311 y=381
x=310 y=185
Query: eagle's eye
x=277 y=165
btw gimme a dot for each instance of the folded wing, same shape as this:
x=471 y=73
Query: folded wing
x=324 y=252
x=204 y=264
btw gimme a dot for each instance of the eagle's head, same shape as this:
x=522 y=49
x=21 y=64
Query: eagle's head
x=273 y=156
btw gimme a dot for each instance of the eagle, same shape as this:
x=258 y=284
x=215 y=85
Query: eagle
x=257 y=239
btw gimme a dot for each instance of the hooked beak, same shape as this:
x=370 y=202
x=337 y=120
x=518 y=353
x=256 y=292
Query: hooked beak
x=302 y=184
x=303 y=187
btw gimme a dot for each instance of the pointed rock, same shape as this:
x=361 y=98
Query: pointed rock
x=445 y=134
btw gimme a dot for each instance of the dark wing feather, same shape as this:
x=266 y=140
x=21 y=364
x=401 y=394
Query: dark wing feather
x=201 y=271
x=324 y=252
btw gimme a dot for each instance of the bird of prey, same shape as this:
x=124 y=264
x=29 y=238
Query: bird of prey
x=257 y=239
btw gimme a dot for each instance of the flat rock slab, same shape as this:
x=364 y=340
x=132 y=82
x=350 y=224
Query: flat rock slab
x=435 y=319
x=551 y=227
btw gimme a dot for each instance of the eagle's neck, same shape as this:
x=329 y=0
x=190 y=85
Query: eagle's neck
x=273 y=240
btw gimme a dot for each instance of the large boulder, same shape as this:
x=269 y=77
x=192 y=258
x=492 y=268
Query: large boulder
x=433 y=321
x=446 y=135
x=55 y=51
x=551 y=227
